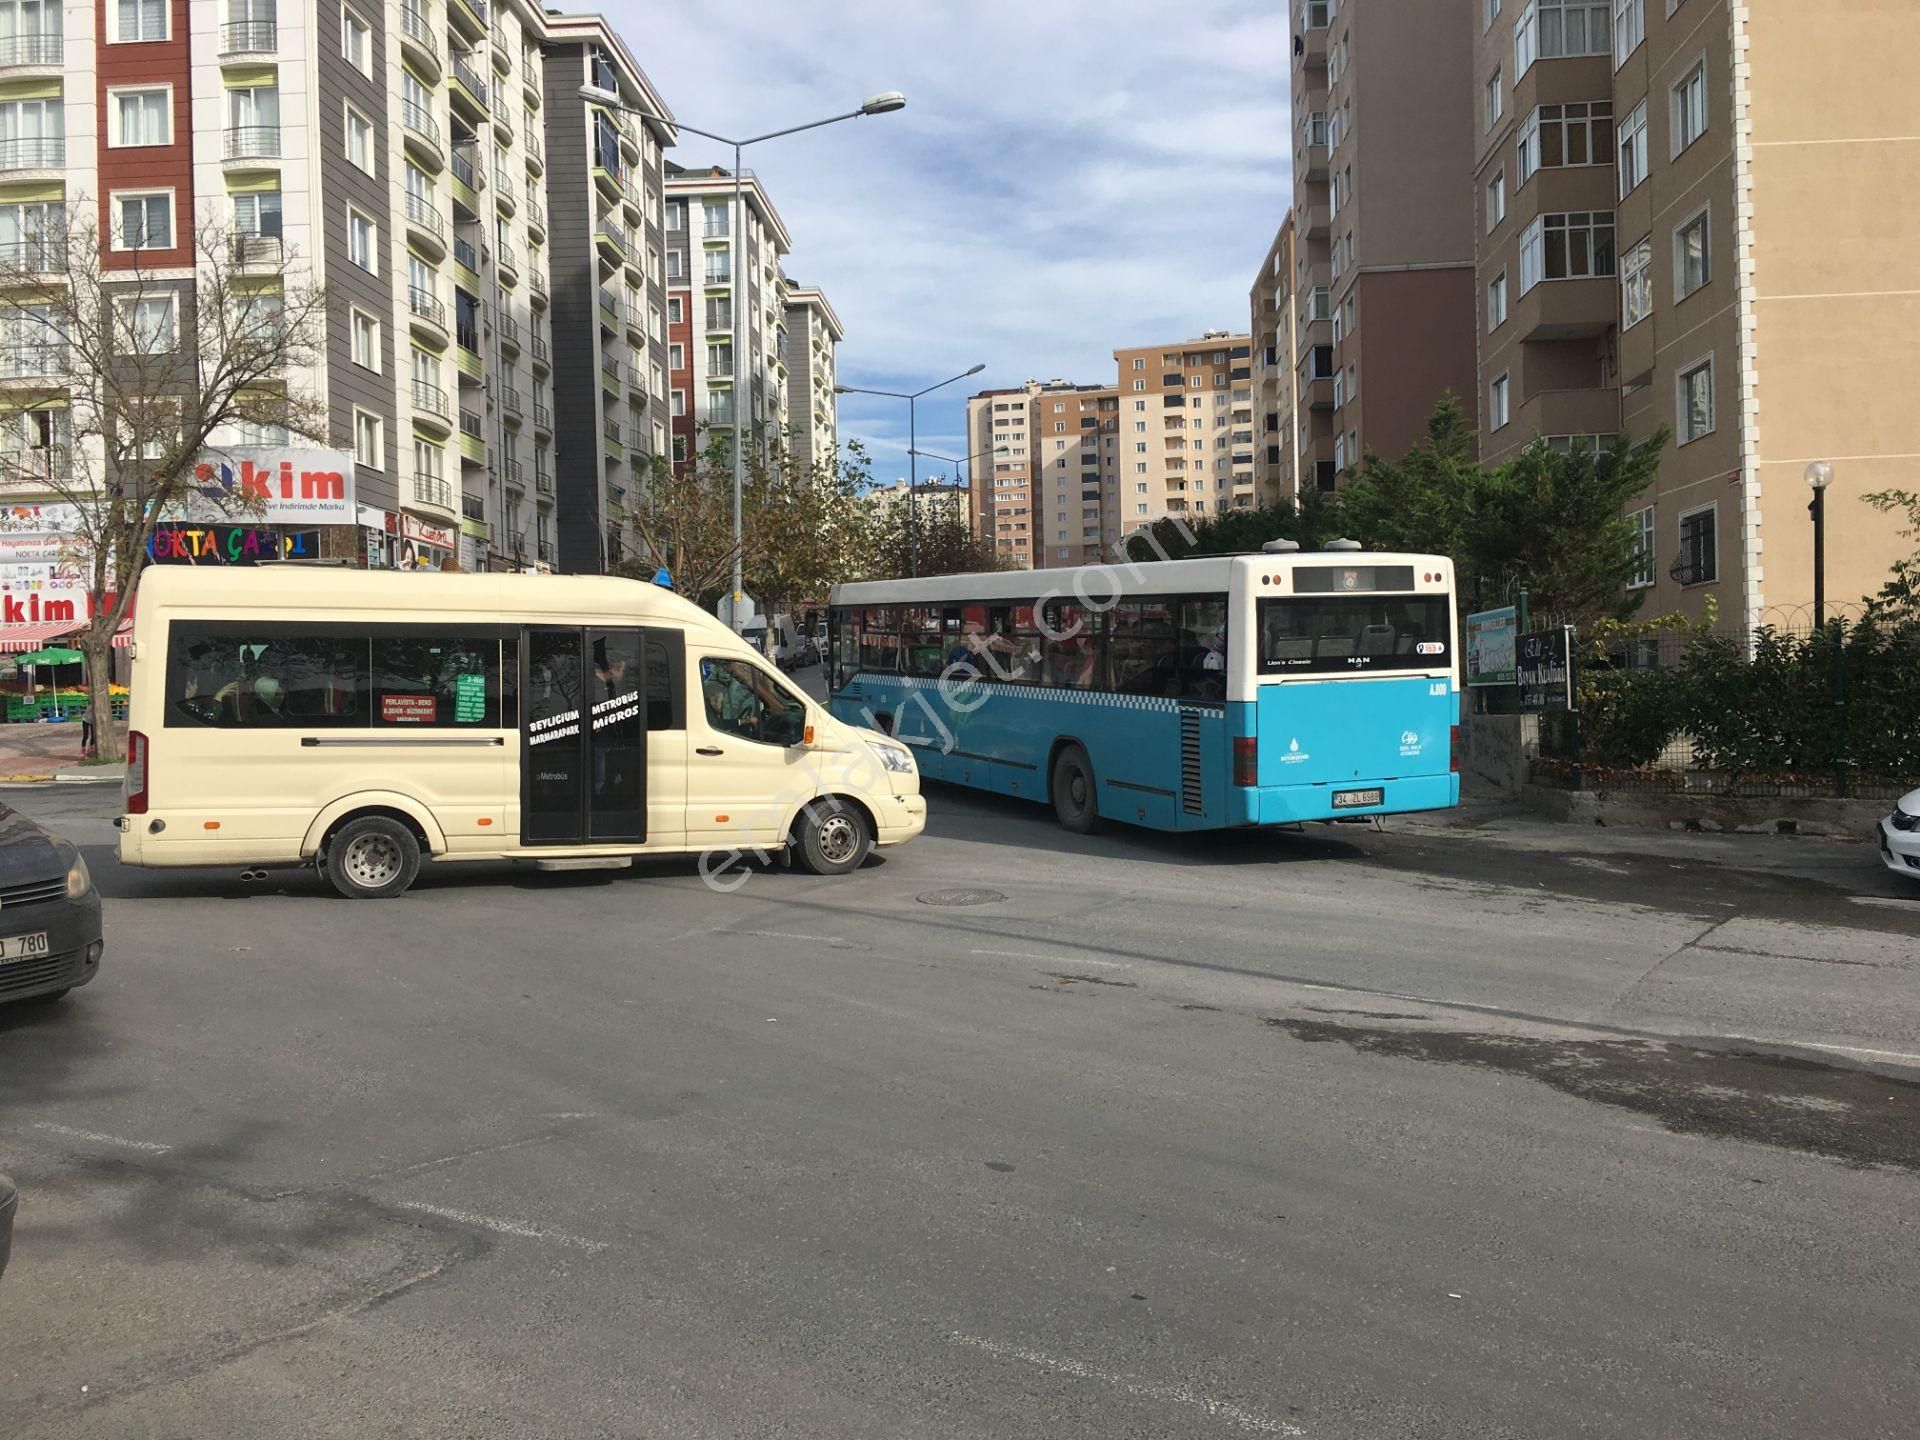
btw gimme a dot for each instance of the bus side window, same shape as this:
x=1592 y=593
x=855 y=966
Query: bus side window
x=665 y=660
x=264 y=679
x=1070 y=653
x=1143 y=649
x=1203 y=648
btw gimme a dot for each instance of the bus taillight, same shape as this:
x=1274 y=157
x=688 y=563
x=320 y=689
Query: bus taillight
x=1246 y=760
x=136 y=773
x=1453 y=749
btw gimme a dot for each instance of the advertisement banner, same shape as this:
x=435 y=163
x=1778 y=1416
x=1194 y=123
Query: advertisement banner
x=1546 y=670
x=33 y=602
x=274 y=486
x=1490 y=646
x=17 y=547
x=426 y=532
x=36 y=519
x=175 y=543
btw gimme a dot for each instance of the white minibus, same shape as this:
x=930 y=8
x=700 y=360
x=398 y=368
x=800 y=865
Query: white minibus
x=367 y=721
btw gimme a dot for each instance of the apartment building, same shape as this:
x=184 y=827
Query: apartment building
x=1003 y=506
x=1690 y=215
x=1383 y=282
x=1075 y=442
x=805 y=355
x=1276 y=453
x=607 y=199
x=706 y=376
x=1185 y=429
x=435 y=169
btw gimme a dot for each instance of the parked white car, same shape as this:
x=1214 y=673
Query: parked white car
x=786 y=649
x=1900 y=837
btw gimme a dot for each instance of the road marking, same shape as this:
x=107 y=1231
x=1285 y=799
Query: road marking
x=147 y=1146
x=1052 y=959
x=1139 y=1389
x=1885 y=902
x=1836 y=1049
x=505 y=1227
x=787 y=935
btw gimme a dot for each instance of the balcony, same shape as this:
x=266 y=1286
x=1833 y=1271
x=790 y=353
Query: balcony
x=468 y=81
x=502 y=52
x=471 y=15
x=543 y=482
x=505 y=201
x=546 y=552
x=257 y=253
x=422 y=132
x=431 y=490
x=610 y=370
x=611 y=429
x=616 y=239
x=430 y=399
x=425 y=220
x=241 y=37
x=42 y=49
x=510 y=401
x=536 y=216
x=513 y=476
x=418 y=39
x=424 y=306
x=536 y=154
x=507 y=260
x=508 y=330
x=40 y=255
x=537 y=283
x=542 y=352
x=33 y=360
x=252 y=142
x=543 y=419
x=608 y=310
x=1579 y=309
x=467 y=168
x=530 y=84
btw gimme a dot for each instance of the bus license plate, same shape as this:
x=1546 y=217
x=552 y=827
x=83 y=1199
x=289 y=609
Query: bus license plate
x=22 y=947
x=1358 y=799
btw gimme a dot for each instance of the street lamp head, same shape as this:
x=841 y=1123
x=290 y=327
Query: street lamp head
x=977 y=369
x=1819 y=475
x=599 y=95
x=884 y=103
x=843 y=390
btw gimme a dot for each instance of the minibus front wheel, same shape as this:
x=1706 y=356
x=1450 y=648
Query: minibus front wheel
x=372 y=857
x=832 y=836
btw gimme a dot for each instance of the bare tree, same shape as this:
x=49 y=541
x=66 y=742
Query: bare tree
x=117 y=374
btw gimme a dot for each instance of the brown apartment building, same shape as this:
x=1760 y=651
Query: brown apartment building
x=1276 y=453
x=1698 y=214
x=1002 y=473
x=1383 y=252
x=1045 y=473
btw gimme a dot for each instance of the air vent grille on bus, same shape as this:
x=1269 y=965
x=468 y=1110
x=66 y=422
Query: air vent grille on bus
x=1192 y=800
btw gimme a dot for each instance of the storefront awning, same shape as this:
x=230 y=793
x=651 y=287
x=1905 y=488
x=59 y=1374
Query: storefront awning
x=17 y=638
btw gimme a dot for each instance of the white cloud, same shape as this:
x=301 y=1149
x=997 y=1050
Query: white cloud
x=1066 y=177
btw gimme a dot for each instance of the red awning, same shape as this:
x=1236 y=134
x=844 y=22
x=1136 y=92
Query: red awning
x=14 y=639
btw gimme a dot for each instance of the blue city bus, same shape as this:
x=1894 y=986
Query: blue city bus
x=1258 y=689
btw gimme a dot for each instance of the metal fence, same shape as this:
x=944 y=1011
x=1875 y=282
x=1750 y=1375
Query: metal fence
x=1784 y=710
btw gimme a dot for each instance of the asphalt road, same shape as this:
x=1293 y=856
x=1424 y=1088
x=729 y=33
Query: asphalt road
x=1431 y=1132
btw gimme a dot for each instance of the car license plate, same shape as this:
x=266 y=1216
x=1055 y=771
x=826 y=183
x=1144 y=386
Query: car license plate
x=1358 y=799
x=22 y=947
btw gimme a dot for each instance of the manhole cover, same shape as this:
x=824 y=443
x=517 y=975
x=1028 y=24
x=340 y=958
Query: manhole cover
x=960 y=897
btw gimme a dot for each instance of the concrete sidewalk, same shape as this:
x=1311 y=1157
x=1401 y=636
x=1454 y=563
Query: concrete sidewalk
x=36 y=750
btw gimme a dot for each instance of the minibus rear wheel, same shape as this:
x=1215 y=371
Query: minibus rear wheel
x=832 y=837
x=372 y=857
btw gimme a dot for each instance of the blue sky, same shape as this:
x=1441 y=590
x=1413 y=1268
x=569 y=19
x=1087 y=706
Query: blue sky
x=1067 y=177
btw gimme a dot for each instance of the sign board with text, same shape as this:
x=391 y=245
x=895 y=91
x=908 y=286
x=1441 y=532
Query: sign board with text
x=274 y=486
x=1490 y=637
x=1545 y=669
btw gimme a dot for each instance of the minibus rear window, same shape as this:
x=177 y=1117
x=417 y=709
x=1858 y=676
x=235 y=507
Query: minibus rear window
x=1348 y=634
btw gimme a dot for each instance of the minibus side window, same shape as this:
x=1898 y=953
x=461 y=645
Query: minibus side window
x=436 y=682
x=265 y=679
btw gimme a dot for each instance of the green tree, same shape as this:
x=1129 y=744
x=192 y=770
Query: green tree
x=1900 y=596
x=1554 y=522
x=934 y=538
x=1310 y=523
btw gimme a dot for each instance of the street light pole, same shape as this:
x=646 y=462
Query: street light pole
x=913 y=452
x=967 y=460
x=884 y=103
x=1819 y=475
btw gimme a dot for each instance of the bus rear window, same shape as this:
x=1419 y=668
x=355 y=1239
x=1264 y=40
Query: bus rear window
x=1348 y=634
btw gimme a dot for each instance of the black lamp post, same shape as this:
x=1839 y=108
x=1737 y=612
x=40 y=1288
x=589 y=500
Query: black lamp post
x=1819 y=476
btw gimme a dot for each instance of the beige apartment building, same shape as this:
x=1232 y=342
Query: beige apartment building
x=1186 y=441
x=1002 y=473
x=1075 y=430
x=1383 y=246
x=1276 y=454
x=1698 y=214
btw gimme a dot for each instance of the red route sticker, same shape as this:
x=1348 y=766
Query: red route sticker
x=408 y=709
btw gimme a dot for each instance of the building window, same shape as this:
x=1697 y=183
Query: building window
x=359 y=141
x=1699 y=562
x=146 y=221
x=1497 y=302
x=141 y=117
x=363 y=242
x=1689 y=103
x=676 y=264
x=369 y=440
x=257 y=213
x=1629 y=28
x=136 y=20
x=1496 y=199
x=1489 y=12
x=1642 y=521
x=1633 y=149
x=1693 y=408
x=356 y=42
x=150 y=325
x=673 y=310
x=1496 y=100
x=1497 y=412
x=676 y=356
x=679 y=403
x=1569 y=27
x=1692 y=256
x=1574 y=246
x=1554 y=137
x=676 y=214
x=366 y=341
x=1636 y=284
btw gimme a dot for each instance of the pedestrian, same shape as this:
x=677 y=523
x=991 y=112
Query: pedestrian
x=87 y=749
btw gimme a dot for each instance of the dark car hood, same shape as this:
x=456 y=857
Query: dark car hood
x=29 y=853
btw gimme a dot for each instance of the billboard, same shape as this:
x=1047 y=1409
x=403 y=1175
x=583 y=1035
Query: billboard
x=274 y=486
x=1546 y=670
x=1490 y=646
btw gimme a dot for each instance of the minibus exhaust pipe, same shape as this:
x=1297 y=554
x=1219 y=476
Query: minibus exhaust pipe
x=247 y=877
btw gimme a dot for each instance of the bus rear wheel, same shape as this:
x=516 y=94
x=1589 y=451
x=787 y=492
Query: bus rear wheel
x=1074 y=801
x=372 y=857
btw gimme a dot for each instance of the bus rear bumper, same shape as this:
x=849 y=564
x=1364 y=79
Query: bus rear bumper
x=1293 y=804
